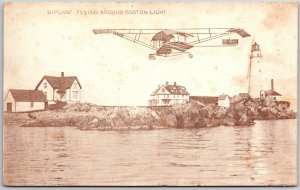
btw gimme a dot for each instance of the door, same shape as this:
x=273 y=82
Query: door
x=9 y=107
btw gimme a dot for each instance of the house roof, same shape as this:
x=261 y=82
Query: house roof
x=172 y=89
x=272 y=93
x=61 y=83
x=205 y=99
x=28 y=95
x=177 y=89
x=155 y=91
x=222 y=97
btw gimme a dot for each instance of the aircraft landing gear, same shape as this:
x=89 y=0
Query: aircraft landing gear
x=190 y=55
x=151 y=57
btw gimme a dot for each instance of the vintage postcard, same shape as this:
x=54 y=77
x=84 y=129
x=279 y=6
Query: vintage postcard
x=150 y=94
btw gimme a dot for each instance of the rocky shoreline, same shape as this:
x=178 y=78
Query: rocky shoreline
x=242 y=112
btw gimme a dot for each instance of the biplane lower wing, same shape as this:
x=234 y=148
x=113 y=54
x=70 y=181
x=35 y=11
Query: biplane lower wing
x=168 y=47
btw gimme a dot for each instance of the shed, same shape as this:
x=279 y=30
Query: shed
x=17 y=100
x=224 y=101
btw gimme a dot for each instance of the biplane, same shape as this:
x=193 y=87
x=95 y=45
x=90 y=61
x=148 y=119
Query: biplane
x=175 y=42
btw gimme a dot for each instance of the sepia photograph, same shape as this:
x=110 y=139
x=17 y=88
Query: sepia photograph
x=150 y=94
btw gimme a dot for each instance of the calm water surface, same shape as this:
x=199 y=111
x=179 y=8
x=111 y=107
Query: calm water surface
x=264 y=154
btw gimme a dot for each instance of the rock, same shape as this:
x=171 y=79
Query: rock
x=230 y=113
x=33 y=124
x=240 y=109
x=207 y=111
x=220 y=112
x=93 y=123
x=243 y=120
x=228 y=121
x=240 y=98
x=214 y=122
x=242 y=112
x=170 y=121
x=31 y=116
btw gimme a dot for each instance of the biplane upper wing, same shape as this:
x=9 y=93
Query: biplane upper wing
x=191 y=36
x=215 y=33
x=239 y=31
x=131 y=35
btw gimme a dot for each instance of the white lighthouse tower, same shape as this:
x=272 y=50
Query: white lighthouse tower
x=255 y=72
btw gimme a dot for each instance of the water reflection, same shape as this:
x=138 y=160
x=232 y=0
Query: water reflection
x=262 y=154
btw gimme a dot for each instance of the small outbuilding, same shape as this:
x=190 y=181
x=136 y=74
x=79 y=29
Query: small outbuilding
x=271 y=94
x=17 y=100
x=224 y=101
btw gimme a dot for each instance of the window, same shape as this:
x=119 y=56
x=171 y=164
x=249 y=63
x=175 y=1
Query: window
x=45 y=94
x=75 y=95
x=45 y=85
x=274 y=98
x=75 y=85
x=31 y=104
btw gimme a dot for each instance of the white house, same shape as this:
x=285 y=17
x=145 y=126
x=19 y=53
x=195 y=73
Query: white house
x=224 y=101
x=62 y=88
x=24 y=100
x=270 y=93
x=168 y=95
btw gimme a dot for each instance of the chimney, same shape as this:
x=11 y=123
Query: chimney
x=272 y=84
x=167 y=83
x=62 y=74
x=174 y=83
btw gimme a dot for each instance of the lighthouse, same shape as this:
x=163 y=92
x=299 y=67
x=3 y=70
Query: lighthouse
x=255 y=72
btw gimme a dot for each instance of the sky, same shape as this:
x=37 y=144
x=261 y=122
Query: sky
x=42 y=39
